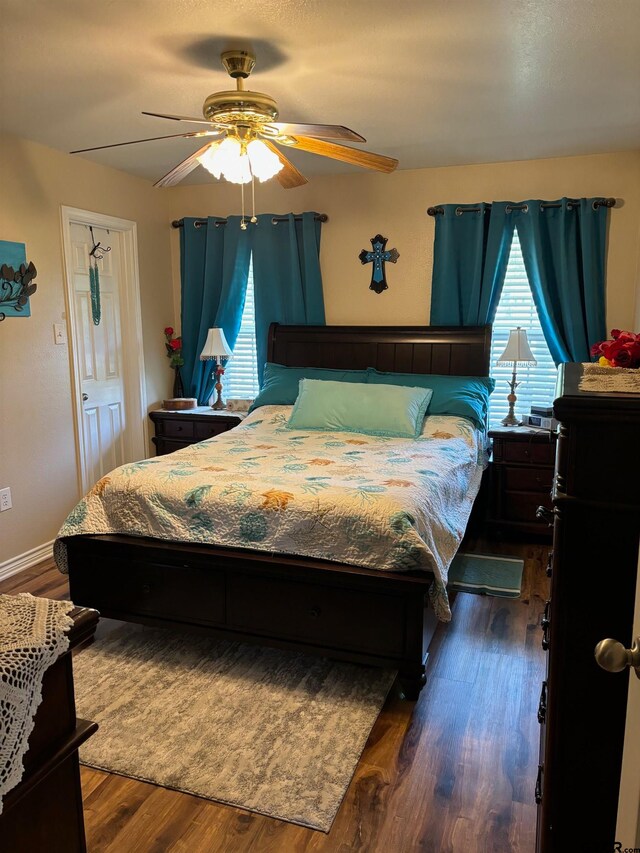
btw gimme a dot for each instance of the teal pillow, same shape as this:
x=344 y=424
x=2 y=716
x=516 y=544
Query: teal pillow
x=389 y=410
x=467 y=396
x=280 y=385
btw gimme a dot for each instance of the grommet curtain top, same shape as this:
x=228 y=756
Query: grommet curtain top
x=570 y=203
x=564 y=252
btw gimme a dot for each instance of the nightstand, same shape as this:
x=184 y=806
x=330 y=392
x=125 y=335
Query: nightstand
x=520 y=480
x=180 y=429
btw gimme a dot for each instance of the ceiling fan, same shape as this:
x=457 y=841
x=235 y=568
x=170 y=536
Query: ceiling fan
x=245 y=140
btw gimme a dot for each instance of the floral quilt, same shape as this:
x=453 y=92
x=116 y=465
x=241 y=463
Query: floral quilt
x=391 y=504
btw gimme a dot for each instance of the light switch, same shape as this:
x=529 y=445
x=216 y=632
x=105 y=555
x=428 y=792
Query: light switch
x=59 y=333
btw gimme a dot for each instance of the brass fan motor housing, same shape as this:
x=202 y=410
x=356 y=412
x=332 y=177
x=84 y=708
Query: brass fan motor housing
x=238 y=63
x=240 y=106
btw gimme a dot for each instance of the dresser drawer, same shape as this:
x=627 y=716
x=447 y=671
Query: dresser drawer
x=208 y=429
x=528 y=479
x=354 y=619
x=533 y=452
x=150 y=590
x=177 y=428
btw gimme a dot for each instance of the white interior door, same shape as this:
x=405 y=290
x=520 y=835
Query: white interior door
x=99 y=352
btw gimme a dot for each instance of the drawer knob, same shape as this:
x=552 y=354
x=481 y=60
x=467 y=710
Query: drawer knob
x=538 y=791
x=146 y=588
x=178 y=429
x=315 y=612
x=545 y=624
x=545 y=514
x=542 y=705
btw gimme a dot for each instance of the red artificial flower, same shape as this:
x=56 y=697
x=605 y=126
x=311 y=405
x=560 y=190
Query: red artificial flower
x=623 y=350
x=168 y=330
x=626 y=337
x=175 y=344
x=618 y=354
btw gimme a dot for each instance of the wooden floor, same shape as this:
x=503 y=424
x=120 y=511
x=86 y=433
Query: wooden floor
x=452 y=773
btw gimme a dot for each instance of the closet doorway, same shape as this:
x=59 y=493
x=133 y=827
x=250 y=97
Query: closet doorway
x=105 y=342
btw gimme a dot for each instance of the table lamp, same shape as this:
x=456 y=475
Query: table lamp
x=518 y=352
x=217 y=349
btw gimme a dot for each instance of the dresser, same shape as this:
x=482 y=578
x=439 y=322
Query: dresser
x=174 y=430
x=593 y=569
x=43 y=813
x=520 y=480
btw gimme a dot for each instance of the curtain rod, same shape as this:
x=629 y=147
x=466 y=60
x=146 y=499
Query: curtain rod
x=435 y=211
x=179 y=223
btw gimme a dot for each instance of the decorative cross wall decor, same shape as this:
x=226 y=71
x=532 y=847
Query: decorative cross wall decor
x=378 y=257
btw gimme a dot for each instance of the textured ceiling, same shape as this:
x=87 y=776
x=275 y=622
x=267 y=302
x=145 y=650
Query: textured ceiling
x=431 y=82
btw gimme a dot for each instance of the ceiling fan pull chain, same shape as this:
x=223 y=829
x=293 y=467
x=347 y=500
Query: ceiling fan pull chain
x=243 y=224
x=254 y=218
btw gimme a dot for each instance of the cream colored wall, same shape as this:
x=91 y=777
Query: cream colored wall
x=37 y=449
x=395 y=205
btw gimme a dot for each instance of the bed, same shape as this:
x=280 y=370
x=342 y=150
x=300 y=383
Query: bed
x=305 y=603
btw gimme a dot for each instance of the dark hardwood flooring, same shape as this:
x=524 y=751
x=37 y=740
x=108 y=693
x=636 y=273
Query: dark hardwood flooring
x=452 y=773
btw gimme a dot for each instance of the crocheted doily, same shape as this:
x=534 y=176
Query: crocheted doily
x=32 y=637
x=611 y=379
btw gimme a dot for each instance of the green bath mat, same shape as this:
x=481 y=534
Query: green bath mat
x=484 y=575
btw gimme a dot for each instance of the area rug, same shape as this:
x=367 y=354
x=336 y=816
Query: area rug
x=273 y=732
x=486 y=575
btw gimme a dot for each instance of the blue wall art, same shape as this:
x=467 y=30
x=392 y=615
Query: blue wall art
x=16 y=280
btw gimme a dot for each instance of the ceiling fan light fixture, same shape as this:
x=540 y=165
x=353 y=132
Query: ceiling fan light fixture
x=236 y=163
x=227 y=160
x=264 y=163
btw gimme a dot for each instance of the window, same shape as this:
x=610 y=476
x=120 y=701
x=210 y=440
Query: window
x=241 y=373
x=516 y=308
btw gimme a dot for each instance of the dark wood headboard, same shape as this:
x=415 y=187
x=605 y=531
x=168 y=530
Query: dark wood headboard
x=445 y=350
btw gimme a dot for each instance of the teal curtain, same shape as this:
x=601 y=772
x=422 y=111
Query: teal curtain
x=564 y=250
x=214 y=270
x=470 y=256
x=286 y=274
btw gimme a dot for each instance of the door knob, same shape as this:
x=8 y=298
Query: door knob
x=612 y=656
x=85 y=397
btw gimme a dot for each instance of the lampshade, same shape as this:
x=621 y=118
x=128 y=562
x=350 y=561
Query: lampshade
x=237 y=162
x=517 y=349
x=215 y=346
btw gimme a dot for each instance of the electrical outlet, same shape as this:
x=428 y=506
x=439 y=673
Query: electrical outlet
x=5 y=499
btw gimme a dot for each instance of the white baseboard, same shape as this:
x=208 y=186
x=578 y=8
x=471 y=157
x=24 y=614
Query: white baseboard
x=26 y=560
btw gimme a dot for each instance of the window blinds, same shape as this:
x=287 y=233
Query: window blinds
x=241 y=374
x=516 y=308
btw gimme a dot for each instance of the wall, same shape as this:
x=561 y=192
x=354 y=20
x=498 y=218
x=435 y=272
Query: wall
x=395 y=205
x=37 y=448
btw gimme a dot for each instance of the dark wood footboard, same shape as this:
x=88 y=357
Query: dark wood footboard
x=343 y=612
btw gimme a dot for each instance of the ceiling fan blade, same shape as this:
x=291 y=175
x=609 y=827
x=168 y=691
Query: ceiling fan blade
x=289 y=177
x=195 y=133
x=323 y=131
x=341 y=152
x=178 y=118
x=183 y=168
